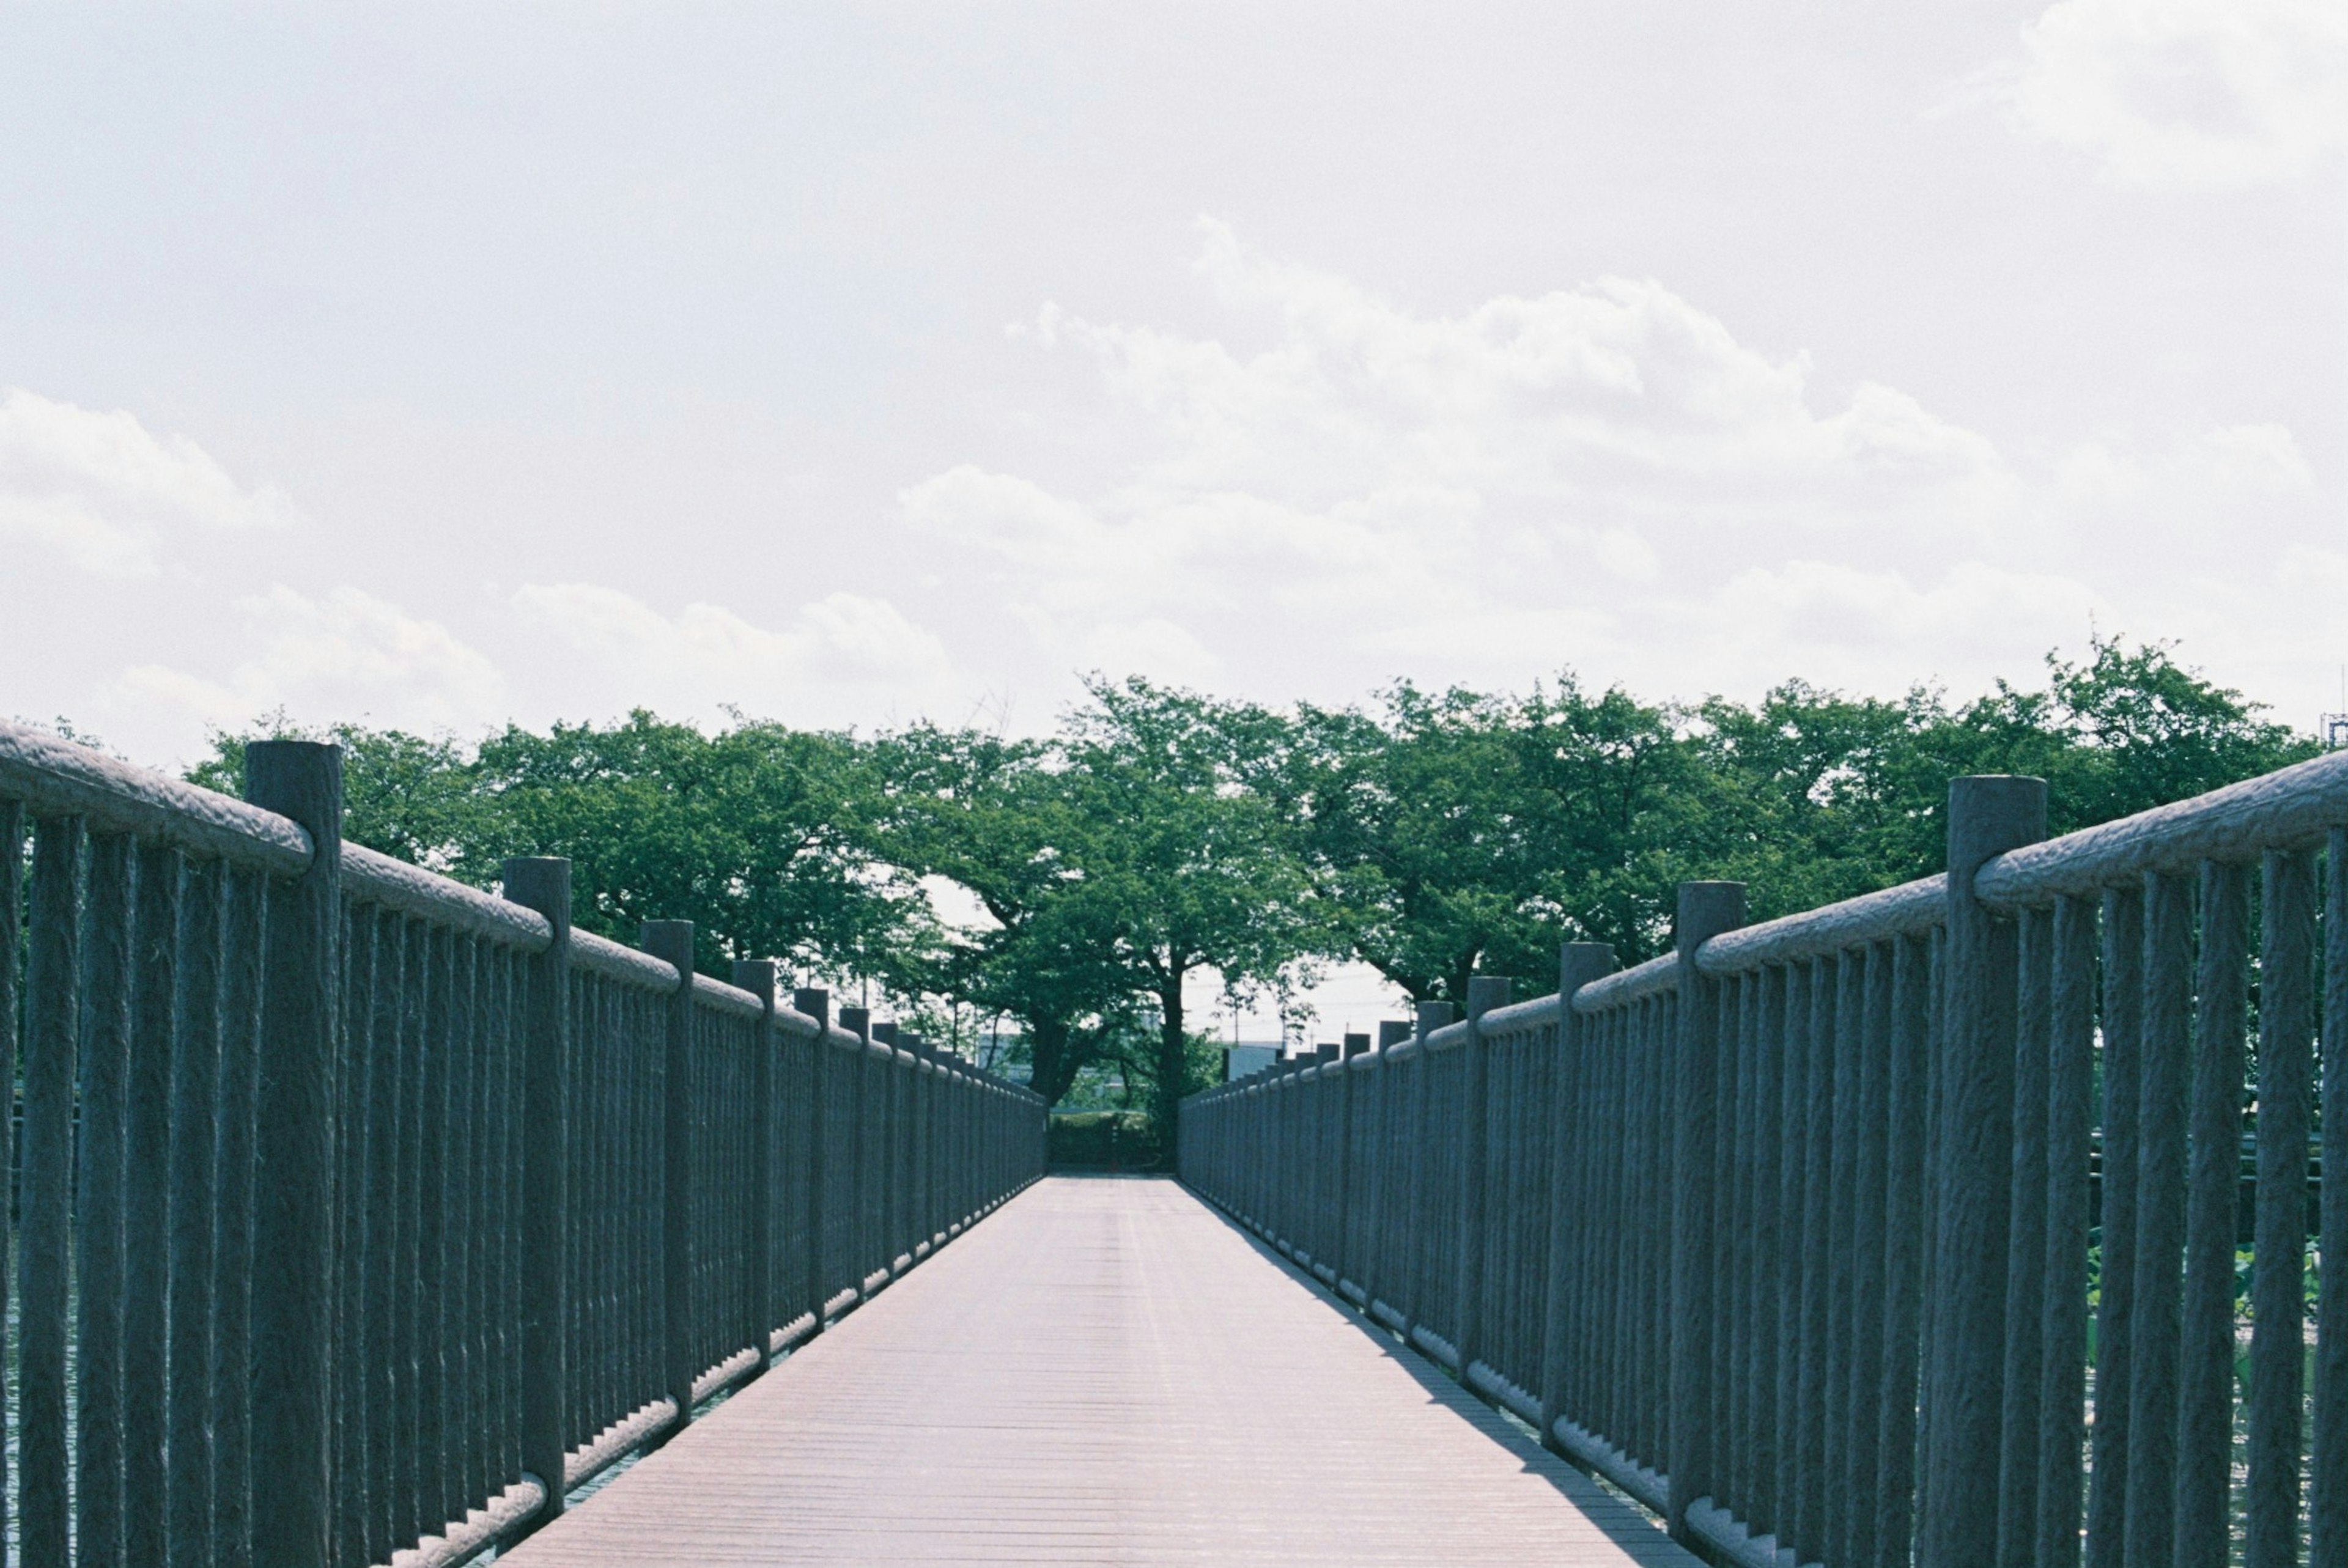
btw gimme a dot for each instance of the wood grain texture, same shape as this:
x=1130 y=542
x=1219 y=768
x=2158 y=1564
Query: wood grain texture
x=1104 y=1372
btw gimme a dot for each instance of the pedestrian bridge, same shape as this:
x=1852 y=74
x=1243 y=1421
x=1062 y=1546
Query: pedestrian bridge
x=364 y=1218
x=1105 y=1371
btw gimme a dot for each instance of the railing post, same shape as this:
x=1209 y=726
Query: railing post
x=858 y=1021
x=757 y=976
x=1706 y=911
x=1380 y=1226
x=1425 y=1020
x=1339 y=1253
x=1965 y=1366
x=1578 y=964
x=542 y=884
x=815 y=1003
x=1485 y=992
x=671 y=940
x=293 y=1323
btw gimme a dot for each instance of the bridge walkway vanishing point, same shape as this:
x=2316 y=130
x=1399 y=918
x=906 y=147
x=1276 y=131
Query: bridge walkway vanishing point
x=1104 y=1372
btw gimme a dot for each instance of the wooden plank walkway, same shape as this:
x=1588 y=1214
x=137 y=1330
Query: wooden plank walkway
x=1103 y=1372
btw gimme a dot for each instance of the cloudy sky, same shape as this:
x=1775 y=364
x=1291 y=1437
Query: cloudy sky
x=445 y=365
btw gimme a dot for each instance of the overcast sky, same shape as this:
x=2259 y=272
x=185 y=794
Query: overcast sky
x=439 y=365
x=442 y=365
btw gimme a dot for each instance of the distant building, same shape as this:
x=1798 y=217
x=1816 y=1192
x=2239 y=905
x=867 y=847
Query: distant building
x=1249 y=1056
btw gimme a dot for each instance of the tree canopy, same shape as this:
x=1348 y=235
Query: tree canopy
x=1161 y=835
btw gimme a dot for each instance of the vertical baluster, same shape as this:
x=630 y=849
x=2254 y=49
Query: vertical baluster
x=146 y=1204
x=461 y=1224
x=812 y=1205
x=2025 y=1268
x=1624 y=1340
x=12 y=895
x=1842 y=1255
x=672 y=940
x=378 y=1227
x=534 y=1075
x=2204 y=1425
x=1818 y=1149
x=1579 y=963
x=1868 y=1283
x=438 y=1501
x=2070 y=1123
x=2328 y=1470
x=350 y=1523
x=407 y=1353
x=2278 y=1298
x=1904 y=1244
x=2123 y=1037
x=1731 y=1214
x=1793 y=1127
x=1935 y=1075
x=51 y=993
x=1763 y=1434
x=2161 y=1119
x=243 y=943
x=98 y=1203
x=195 y=1067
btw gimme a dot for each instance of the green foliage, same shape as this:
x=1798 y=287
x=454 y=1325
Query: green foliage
x=1139 y=847
x=1103 y=1141
x=1162 y=834
x=756 y=835
x=413 y=797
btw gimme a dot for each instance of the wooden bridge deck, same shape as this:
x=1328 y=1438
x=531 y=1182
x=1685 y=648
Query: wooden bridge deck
x=1104 y=1372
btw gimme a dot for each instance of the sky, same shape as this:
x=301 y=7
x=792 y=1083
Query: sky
x=442 y=365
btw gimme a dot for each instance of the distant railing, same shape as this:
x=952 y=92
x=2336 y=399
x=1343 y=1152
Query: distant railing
x=360 y=1214
x=1793 y=1231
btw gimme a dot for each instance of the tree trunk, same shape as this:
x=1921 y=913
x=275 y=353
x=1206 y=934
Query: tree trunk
x=1173 y=1065
x=1054 y=1061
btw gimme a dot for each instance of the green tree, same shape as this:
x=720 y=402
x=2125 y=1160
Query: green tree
x=1461 y=833
x=1179 y=853
x=413 y=797
x=992 y=817
x=758 y=834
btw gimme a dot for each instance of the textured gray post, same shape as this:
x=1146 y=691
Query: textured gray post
x=758 y=976
x=1706 y=909
x=815 y=1003
x=1964 y=1377
x=1341 y=1250
x=1382 y=1228
x=292 y=1322
x=1426 y=1019
x=1578 y=964
x=543 y=885
x=858 y=1021
x=1484 y=993
x=671 y=940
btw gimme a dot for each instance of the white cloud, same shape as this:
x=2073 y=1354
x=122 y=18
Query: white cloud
x=1371 y=456
x=839 y=653
x=348 y=655
x=1605 y=477
x=2184 y=93
x=102 y=490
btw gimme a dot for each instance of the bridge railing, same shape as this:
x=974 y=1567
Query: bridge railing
x=360 y=1214
x=1915 y=1228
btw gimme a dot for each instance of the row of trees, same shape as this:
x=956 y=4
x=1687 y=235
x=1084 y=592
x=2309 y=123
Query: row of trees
x=1161 y=835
